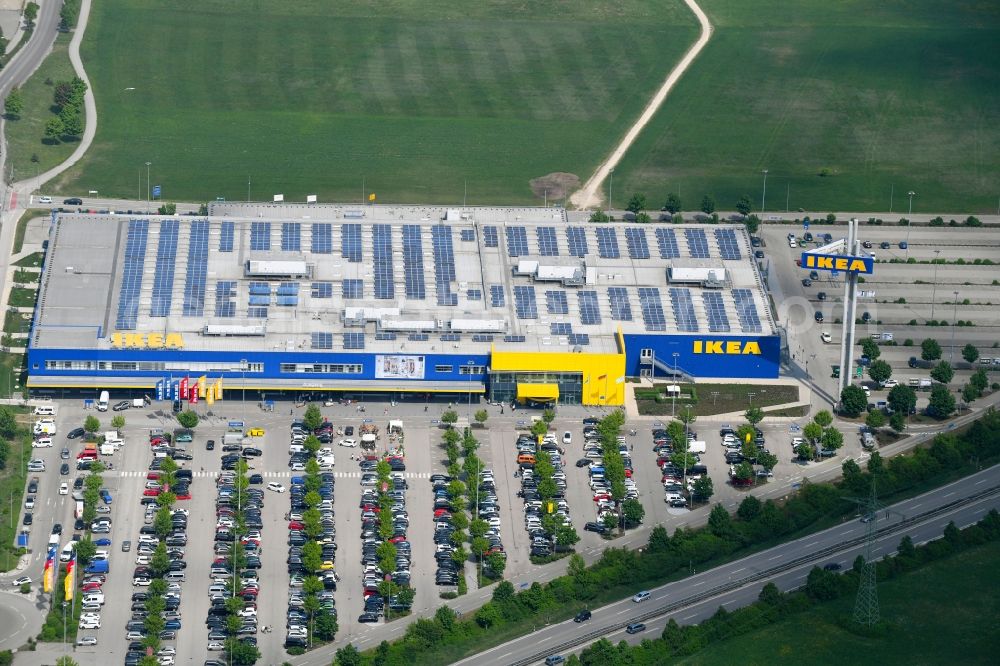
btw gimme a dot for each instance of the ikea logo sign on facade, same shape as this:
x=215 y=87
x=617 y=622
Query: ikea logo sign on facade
x=836 y=262
x=121 y=340
x=729 y=347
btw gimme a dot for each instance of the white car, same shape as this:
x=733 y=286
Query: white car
x=86 y=640
x=348 y=442
x=18 y=582
x=142 y=559
x=64 y=488
x=826 y=337
x=42 y=443
x=890 y=383
x=166 y=650
x=216 y=647
x=567 y=437
x=276 y=487
x=166 y=660
x=89 y=624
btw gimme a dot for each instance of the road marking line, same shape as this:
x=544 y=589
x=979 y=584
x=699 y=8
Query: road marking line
x=688 y=617
x=546 y=639
x=982 y=481
x=739 y=570
x=622 y=611
x=949 y=494
x=700 y=582
x=811 y=543
x=773 y=558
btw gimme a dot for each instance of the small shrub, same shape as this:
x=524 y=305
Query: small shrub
x=901 y=300
x=908 y=342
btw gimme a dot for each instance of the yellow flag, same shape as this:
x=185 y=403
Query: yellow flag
x=202 y=385
x=69 y=584
x=371 y=197
x=210 y=395
x=218 y=389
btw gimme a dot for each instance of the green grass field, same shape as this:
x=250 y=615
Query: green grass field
x=25 y=134
x=416 y=98
x=900 y=94
x=945 y=613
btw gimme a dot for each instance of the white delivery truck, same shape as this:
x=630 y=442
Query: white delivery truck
x=107 y=449
x=697 y=447
x=102 y=402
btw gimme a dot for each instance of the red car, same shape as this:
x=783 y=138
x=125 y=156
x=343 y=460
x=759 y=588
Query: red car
x=374 y=508
x=601 y=496
x=91 y=587
x=438 y=513
x=186 y=495
x=153 y=476
x=295 y=525
x=156 y=441
x=151 y=492
x=397 y=539
x=249 y=592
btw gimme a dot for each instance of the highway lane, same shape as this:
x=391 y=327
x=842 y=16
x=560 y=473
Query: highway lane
x=615 y=615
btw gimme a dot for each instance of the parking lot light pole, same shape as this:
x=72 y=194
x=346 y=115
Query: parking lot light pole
x=148 y=164
x=954 y=316
x=673 y=394
x=909 y=222
x=243 y=371
x=764 y=191
x=470 y=365
x=937 y=253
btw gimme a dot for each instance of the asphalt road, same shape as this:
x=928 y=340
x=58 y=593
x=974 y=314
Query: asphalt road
x=817 y=549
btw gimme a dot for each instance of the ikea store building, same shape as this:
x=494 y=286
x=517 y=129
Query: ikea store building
x=517 y=304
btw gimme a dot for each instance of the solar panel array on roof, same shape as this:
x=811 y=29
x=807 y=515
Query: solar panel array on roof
x=260 y=236
x=514 y=338
x=225 y=292
x=163 y=278
x=257 y=312
x=580 y=339
x=413 y=261
x=490 y=238
x=607 y=242
x=444 y=264
x=350 y=242
x=291 y=236
x=697 y=243
x=385 y=336
x=635 y=239
x=497 y=299
x=652 y=309
x=288 y=289
x=558 y=328
x=718 y=321
x=729 y=248
x=322 y=290
x=322 y=238
x=354 y=340
x=259 y=300
x=451 y=337
x=467 y=235
x=354 y=289
x=260 y=288
x=556 y=302
x=576 y=237
x=474 y=294
x=621 y=309
x=382 y=261
x=418 y=337
x=524 y=302
x=227 y=233
x=683 y=308
x=517 y=241
x=666 y=240
x=746 y=309
x=480 y=337
x=322 y=340
x=548 y=246
x=590 y=310
x=197 y=270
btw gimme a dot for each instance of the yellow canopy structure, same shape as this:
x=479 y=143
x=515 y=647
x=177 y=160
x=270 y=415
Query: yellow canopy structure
x=538 y=392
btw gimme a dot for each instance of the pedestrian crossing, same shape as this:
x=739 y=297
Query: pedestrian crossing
x=133 y=474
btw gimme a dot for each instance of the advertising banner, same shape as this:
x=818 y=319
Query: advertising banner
x=193 y=394
x=202 y=385
x=399 y=367
x=184 y=389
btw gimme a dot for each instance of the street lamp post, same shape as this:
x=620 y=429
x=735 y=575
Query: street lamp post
x=934 y=288
x=687 y=413
x=148 y=164
x=954 y=315
x=470 y=365
x=243 y=372
x=764 y=192
x=673 y=394
x=909 y=222
x=611 y=184
x=750 y=395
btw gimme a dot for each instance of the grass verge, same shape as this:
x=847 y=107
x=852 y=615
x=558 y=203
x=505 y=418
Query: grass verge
x=34 y=259
x=12 y=480
x=709 y=399
x=21 y=297
x=22 y=227
x=944 y=612
x=16 y=322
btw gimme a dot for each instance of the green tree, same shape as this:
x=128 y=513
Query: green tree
x=54 y=129
x=979 y=380
x=767 y=460
x=754 y=415
x=719 y=522
x=348 y=656
x=481 y=416
x=241 y=654
x=8 y=423
x=853 y=401
x=450 y=417
x=707 y=205
x=311 y=444
x=832 y=439
x=875 y=419
x=823 y=418
x=930 y=350
x=91 y=424
x=599 y=216
x=30 y=13
x=325 y=625
x=636 y=204
x=969 y=352
x=85 y=551
x=970 y=393
x=312 y=556
x=160 y=562
x=805 y=451
x=167 y=209
x=548 y=415
x=118 y=422
x=812 y=432
x=66 y=661
x=187 y=418
x=880 y=371
x=313 y=418
x=14 y=104
x=633 y=511
x=897 y=422
x=902 y=399
x=539 y=428
x=752 y=223
x=942 y=372
x=743 y=206
x=162 y=522
x=72 y=120
x=941 y=402
x=749 y=508
x=743 y=472
x=870 y=349
x=673 y=203
x=566 y=536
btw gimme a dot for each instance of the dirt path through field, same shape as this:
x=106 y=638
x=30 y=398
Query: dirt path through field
x=590 y=195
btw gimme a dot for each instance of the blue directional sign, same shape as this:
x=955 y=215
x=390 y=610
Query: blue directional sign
x=156 y=190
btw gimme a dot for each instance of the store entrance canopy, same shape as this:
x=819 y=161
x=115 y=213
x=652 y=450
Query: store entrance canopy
x=540 y=392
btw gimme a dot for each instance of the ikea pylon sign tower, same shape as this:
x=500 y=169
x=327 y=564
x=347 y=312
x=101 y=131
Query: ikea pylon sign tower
x=843 y=255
